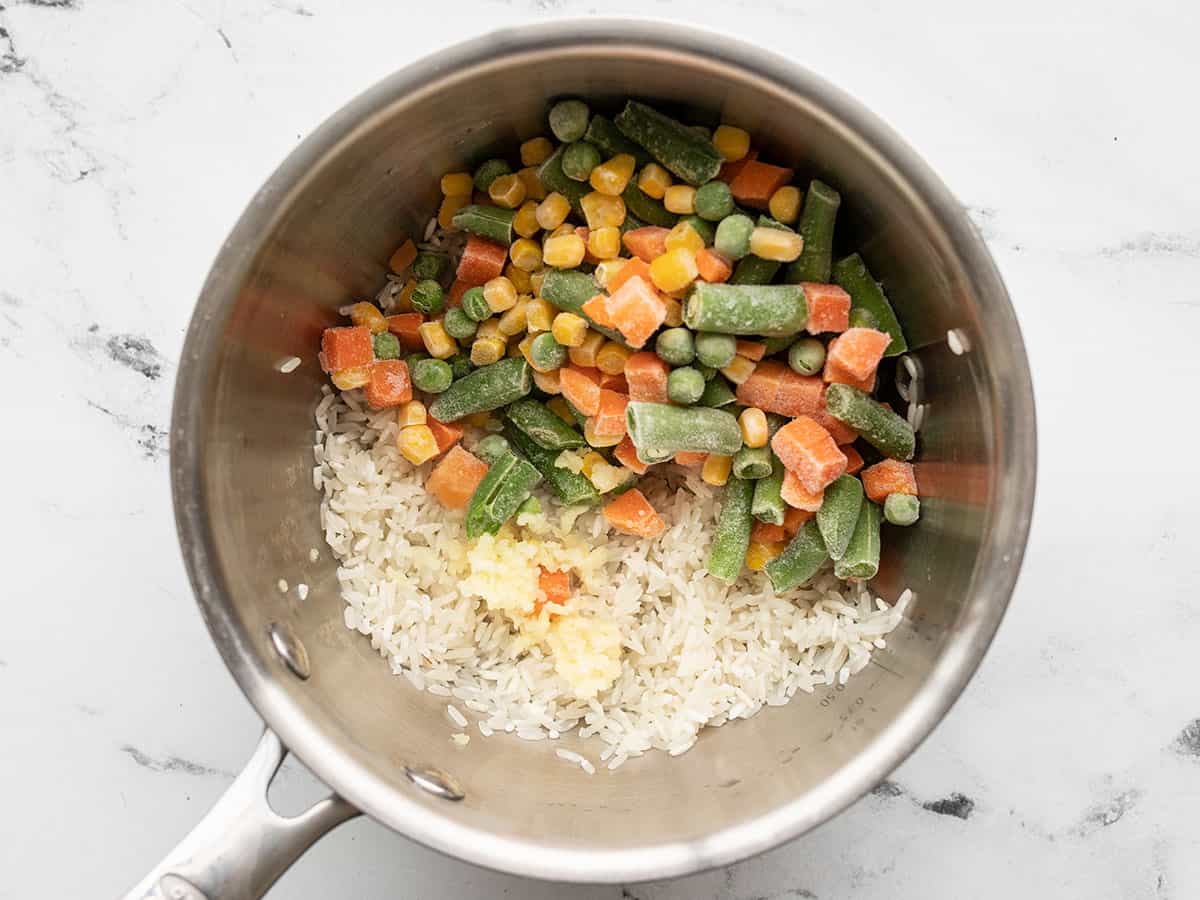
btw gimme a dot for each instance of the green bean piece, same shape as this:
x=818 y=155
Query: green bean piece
x=569 y=487
x=861 y=317
x=491 y=448
x=432 y=376
x=569 y=120
x=852 y=275
x=816 y=227
x=532 y=505
x=733 y=236
x=901 y=509
x=728 y=552
x=608 y=137
x=508 y=482
x=752 y=463
x=717 y=392
x=485 y=389
x=547 y=353
x=713 y=201
x=578 y=416
x=838 y=514
x=861 y=559
x=386 y=346
x=631 y=222
x=542 y=426
x=777 y=343
x=766 y=309
x=478 y=516
x=428 y=297
x=642 y=206
x=491 y=222
x=553 y=178
x=579 y=159
x=475 y=305
x=708 y=372
x=887 y=432
x=675 y=346
x=458 y=324
x=685 y=385
x=430 y=264
x=753 y=270
x=768 y=505
x=682 y=151
x=807 y=356
x=716 y=350
x=659 y=429
x=569 y=290
x=489 y=170
x=460 y=365
x=800 y=560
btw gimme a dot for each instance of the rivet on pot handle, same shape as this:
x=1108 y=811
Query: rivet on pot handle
x=242 y=846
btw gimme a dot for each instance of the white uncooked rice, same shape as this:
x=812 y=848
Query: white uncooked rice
x=282 y=585
x=302 y=591
x=696 y=651
x=455 y=716
x=291 y=364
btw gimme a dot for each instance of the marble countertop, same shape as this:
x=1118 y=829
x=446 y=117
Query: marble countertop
x=133 y=133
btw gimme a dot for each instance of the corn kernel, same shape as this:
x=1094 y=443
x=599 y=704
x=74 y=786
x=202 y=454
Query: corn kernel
x=485 y=351
x=534 y=189
x=611 y=358
x=404 y=256
x=683 y=235
x=539 y=315
x=598 y=440
x=514 y=349
x=564 y=228
x=553 y=211
x=681 y=199
x=547 y=382
x=716 y=469
x=589 y=463
x=349 y=379
x=457 y=184
x=753 y=422
x=519 y=278
x=500 y=294
x=613 y=176
x=535 y=281
x=604 y=243
x=417 y=444
x=450 y=206
x=507 y=191
x=674 y=270
x=758 y=555
x=525 y=222
x=412 y=413
x=602 y=211
x=368 y=314
x=536 y=151
x=732 y=143
x=404 y=298
x=489 y=328
x=558 y=406
x=784 y=204
x=776 y=244
x=739 y=369
x=654 y=180
x=526 y=254
x=606 y=269
x=585 y=354
x=569 y=329
x=565 y=251
x=478 y=420
x=436 y=341
x=513 y=321
x=674 y=312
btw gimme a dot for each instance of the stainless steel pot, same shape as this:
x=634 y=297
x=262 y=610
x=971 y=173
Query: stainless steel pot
x=317 y=235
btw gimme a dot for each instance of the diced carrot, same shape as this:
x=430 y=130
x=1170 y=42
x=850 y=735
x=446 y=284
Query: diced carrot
x=626 y=454
x=730 y=170
x=835 y=374
x=647 y=375
x=838 y=430
x=631 y=513
x=403 y=257
x=889 y=477
x=482 y=260
x=807 y=450
x=828 y=307
x=795 y=495
x=610 y=415
x=751 y=349
x=690 y=458
x=757 y=181
x=591 y=372
x=766 y=533
x=455 y=477
x=555 y=587
x=405 y=327
x=389 y=384
x=854 y=460
x=774 y=387
x=632 y=269
x=447 y=434
x=646 y=242
x=346 y=348
x=596 y=309
x=636 y=310
x=457 y=289
x=857 y=352
x=581 y=391
x=714 y=267
x=793 y=518
x=614 y=383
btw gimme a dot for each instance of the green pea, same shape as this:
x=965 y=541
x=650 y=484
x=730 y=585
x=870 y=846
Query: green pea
x=714 y=201
x=901 y=509
x=386 y=346
x=460 y=365
x=491 y=448
x=475 y=305
x=685 y=385
x=547 y=353
x=733 y=235
x=579 y=159
x=488 y=171
x=806 y=356
x=428 y=297
x=675 y=346
x=458 y=324
x=861 y=317
x=716 y=350
x=569 y=120
x=429 y=265
x=432 y=375
x=415 y=357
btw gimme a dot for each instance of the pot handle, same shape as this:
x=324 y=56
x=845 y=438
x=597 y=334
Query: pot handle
x=242 y=845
